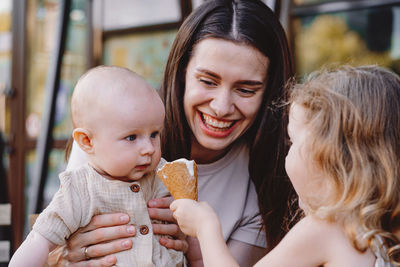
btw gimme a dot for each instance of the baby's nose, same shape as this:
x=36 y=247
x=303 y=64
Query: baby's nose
x=147 y=147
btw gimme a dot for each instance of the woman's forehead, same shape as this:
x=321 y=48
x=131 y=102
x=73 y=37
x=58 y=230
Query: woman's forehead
x=230 y=58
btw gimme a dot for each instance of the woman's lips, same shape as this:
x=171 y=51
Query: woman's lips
x=215 y=127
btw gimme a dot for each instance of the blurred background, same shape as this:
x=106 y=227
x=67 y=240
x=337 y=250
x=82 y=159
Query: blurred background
x=45 y=45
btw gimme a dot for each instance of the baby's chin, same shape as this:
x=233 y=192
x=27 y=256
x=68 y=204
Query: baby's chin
x=125 y=178
x=137 y=176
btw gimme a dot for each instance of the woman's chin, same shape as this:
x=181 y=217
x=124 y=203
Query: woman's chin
x=216 y=144
x=303 y=206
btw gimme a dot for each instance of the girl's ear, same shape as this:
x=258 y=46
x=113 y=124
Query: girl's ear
x=84 y=139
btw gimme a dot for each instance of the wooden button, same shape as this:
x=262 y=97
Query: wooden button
x=135 y=188
x=144 y=230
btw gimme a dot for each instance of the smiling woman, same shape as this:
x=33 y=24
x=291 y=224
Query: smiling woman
x=226 y=69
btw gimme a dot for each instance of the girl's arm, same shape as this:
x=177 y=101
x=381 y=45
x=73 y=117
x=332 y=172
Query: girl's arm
x=33 y=251
x=213 y=248
x=244 y=253
x=198 y=219
x=307 y=244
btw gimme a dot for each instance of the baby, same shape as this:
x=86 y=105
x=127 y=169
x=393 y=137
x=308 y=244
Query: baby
x=117 y=118
x=344 y=163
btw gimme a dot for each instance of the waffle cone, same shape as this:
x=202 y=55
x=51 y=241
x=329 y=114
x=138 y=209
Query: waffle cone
x=180 y=178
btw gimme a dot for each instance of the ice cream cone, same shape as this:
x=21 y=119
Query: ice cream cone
x=180 y=178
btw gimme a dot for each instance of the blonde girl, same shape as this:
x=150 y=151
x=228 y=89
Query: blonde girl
x=344 y=163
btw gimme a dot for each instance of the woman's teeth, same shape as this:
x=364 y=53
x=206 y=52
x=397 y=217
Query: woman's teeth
x=216 y=124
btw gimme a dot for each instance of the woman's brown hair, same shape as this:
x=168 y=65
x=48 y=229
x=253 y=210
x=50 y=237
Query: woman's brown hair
x=250 y=22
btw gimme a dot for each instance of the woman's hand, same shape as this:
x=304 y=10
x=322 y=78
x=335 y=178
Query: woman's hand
x=93 y=244
x=194 y=217
x=159 y=210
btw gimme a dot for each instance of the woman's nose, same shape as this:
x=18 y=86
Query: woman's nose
x=222 y=103
x=147 y=147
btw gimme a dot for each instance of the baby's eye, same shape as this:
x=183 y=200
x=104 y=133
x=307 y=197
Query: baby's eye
x=154 y=134
x=131 y=137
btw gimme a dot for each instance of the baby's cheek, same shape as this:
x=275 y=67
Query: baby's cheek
x=156 y=157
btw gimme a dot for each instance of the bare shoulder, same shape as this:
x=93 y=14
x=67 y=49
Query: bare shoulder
x=341 y=252
x=333 y=244
x=303 y=245
x=315 y=242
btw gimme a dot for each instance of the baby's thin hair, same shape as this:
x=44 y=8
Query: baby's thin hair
x=93 y=74
x=353 y=114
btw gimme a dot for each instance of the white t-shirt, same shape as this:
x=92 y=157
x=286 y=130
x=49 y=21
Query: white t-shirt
x=226 y=186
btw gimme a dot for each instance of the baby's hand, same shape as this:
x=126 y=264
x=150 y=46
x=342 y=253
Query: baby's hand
x=194 y=217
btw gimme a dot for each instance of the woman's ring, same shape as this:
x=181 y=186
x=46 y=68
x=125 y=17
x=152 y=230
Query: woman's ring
x=85 y=253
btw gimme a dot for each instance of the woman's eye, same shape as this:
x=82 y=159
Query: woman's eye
x=131 y=137
x=154 y=135
x=247 y=92
x=207 y=82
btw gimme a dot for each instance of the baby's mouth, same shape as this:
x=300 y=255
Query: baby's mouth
x=215 y=124
x=142 y=166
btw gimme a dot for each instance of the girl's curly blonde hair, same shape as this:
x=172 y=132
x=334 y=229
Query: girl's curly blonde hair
x=353 y=114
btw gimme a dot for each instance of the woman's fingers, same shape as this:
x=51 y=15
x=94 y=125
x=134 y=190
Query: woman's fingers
x=161 y=203
x=170 y=229
x=105 y=220
x=158 y=209
x=96 y=236
x=178 y=240
x=166 y=229
x=101 y=228
x=180 y=245
x=57 y=258
x=103 y=249
x=163 y=214
x=100 y=262
x=85 y=239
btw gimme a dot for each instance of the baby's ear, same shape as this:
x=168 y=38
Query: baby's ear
x=84 y=139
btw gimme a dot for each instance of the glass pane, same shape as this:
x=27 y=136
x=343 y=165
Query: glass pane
x=132 y=13
x=43 y=20
x=73 y=66
x=368 y=36
x=144 y=53
x=5 y=59
x=5 y=80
